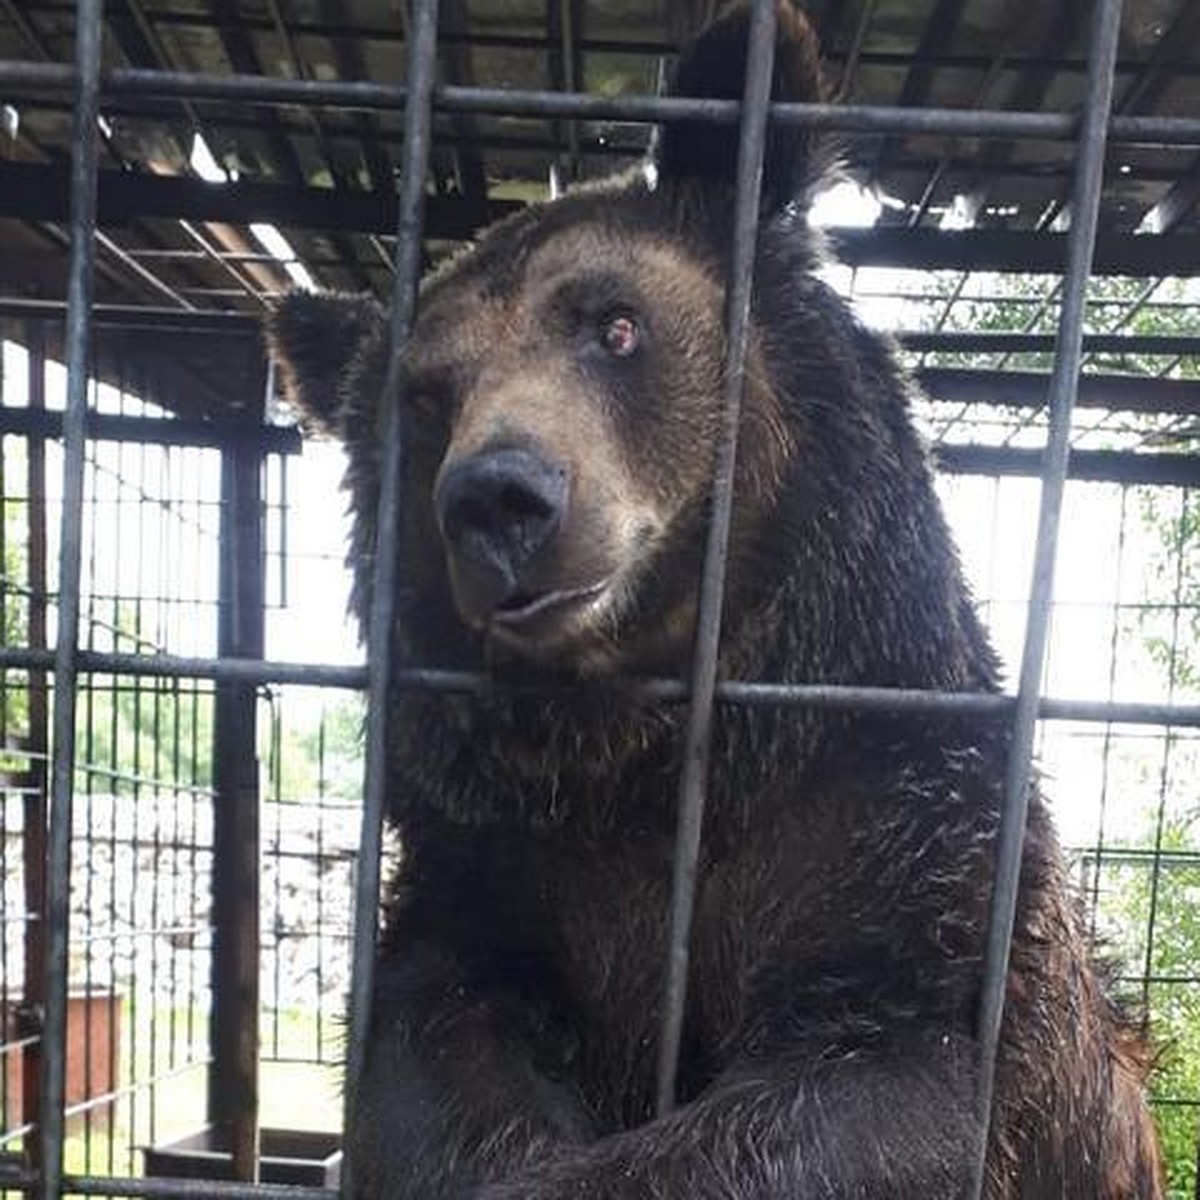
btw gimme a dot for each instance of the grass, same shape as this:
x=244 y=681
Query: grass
x=155 y=1110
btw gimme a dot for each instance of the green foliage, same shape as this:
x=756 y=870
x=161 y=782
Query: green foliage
x=1169 y=951
x=1172 y=520
x=140 y=727
x=318 y=750
x=1155 y=906
x=14 y=613
x=133 y=727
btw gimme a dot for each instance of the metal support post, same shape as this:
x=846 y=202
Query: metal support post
x=233 y=1073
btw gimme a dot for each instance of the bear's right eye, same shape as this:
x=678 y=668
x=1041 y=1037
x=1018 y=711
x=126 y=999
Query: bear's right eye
x=619 y=335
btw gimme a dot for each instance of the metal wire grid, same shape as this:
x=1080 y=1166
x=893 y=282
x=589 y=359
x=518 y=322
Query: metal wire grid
x=308 y=867
x=70 y=659
x=141 y=821
x=141 y=945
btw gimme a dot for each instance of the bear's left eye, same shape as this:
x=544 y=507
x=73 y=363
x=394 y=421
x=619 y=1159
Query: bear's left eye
x=619 y=335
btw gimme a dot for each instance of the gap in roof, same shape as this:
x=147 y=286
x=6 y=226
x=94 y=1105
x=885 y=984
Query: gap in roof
x=846 y=205
x=280 y=249
x=204 y=163
x=961 y=213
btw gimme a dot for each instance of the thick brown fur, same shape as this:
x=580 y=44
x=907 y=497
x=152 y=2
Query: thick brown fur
x=829 y=1045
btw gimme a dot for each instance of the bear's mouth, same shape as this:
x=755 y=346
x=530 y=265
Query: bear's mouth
x=538 y=625
x=522 y=611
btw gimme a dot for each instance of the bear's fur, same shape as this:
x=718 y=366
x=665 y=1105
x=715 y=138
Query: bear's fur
x=575 y=355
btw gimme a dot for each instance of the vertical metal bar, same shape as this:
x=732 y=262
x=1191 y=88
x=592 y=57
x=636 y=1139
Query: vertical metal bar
x=760 y=58
x=1085 y=207
x=1179 y=552
x=10 y=1034
x=85 y=134
x=321 y=864
x=421 y=67
x=114 y=1016
x=33 y=824
x=1196 y=1189
x=1106 y=755
x=280 y=930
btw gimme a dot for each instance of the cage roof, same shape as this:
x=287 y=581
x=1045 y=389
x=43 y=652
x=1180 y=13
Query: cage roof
x=193 y=191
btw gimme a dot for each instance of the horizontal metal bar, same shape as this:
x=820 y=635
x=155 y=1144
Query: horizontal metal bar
x=1012 y=250
x=199 y=1189
x=1019 y=389
x=1094 y=466
x=1153 y=130
x=1027 y=390
x=1168 y=345
x=1137 y=856
x=134 y=316
x=160 y=846
x=938 y=703
x=114 y=427
x=148 y=783
x=34 y=191
x=843 y=697
x=613 y=143
x=1118 y=713
x=116 y=1095
x=255 y=89
x=1160 y=980
x=182 y=667
x=11 y=1134
x=203 y=322
x=859 y=118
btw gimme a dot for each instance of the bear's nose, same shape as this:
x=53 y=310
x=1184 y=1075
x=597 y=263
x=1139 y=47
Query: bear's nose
x=496 y=510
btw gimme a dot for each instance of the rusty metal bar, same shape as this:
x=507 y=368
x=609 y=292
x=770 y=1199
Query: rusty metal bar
x=418 y=127
x=760 y=57
x=859 y=118
x=1085 y=208
x=33 y=830
x=157 y=431
x=84 y=151
x=666 y=691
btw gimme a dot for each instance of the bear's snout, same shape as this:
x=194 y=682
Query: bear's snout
x=497 y=509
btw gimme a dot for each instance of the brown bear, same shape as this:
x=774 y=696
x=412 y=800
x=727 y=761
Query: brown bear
x=561 y=397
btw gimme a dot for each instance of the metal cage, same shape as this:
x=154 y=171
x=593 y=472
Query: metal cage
x=237 y=668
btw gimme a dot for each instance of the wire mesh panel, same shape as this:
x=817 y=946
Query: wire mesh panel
x=140 y=956
x=1123 y=795
x=136 y=837
x=141 y=844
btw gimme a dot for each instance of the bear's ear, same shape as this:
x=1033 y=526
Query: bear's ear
x=313 y=338
x=714 y=66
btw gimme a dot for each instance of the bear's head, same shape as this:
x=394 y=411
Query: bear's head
x=562 y=396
